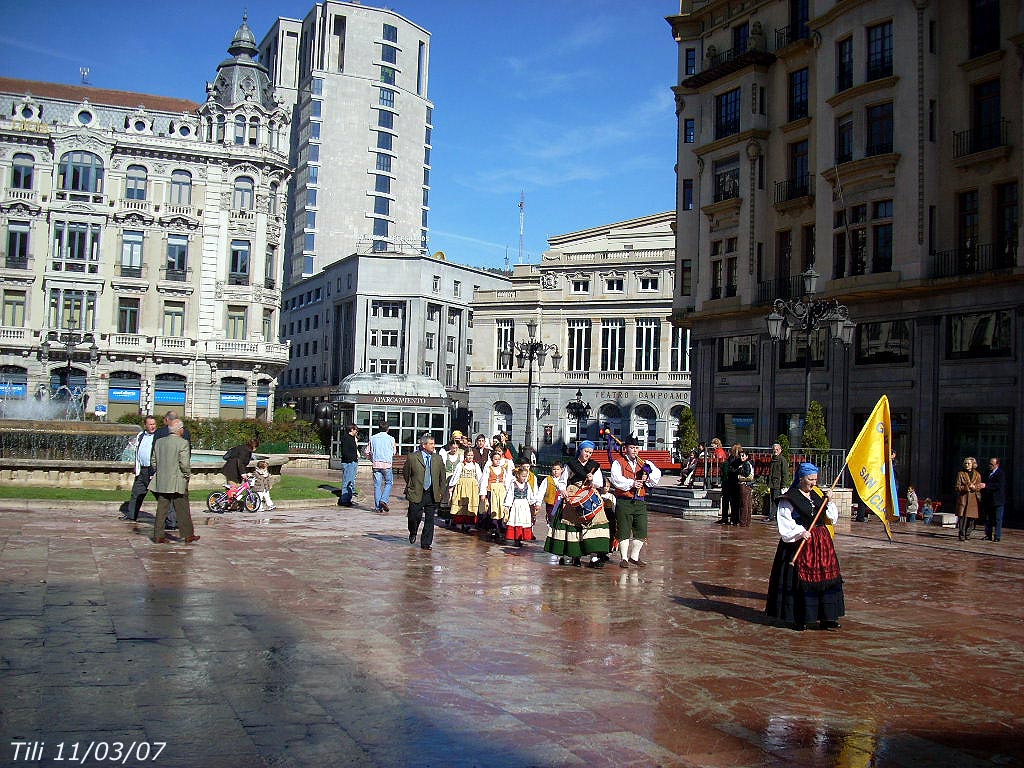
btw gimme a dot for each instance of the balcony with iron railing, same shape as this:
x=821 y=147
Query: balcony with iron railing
x=770 y=290
x=723 y=291
x=129 y=270
x=882 y=146
x=722 y=63
x=970 y=260
x=984 y=137
x=790 y=34
x=792 y=189
x=16 y=261
x=269 y=282
x=175 y=275
x=238 y=278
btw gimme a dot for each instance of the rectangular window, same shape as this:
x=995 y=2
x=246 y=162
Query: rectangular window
x=385 y=119
x=737 y=353
x=690 y=65
x=689 y=130
x=931 y=119
x=648 y=283
x=613 y=285
x=727 y=179
x=174 y=318
x=268 y=325
x=984 y=26
x=793 y=351
x=740 y=37
x=387 y=75
x=383 y=162
x=380 y=227
x=879 y=51
x=390 y=33
x=385 y=141
x=429 y=341
x=127 y=315
x=799 y=180
x=844 y=139
x=238 y=267
x=727 y=113
x=382 y=206
x=72 y=309
x=385 y=309
x=235 y=328
x=21 y=171
x=883 y=342
x=879 y=129
x=648 y=344
x=844 y=64
x=687 y=194
x=76 y=246
x=457 y=288
x=578 y=357
x=613 y=345
x=316 y=108
x=680 y=355
x=450 y=344
x=13 y=309
x=17 y=244
x=967 y=219
x=504 y=342
x=980 y=335
x=389 y=338
x=580 y=286
x=449 y=376
x=389 y=54
x=131 y=253
x=986 y=120
x=1007 y=222
x=798 y=90
x=382 y=184
x=686 y=277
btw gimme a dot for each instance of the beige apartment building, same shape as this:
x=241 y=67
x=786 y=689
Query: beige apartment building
x=600 y=300
x=879 y=143
x=140 y=267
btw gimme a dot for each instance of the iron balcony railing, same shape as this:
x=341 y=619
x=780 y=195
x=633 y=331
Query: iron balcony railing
x=973 y=260
x=130 y=270
x=770 y=290
x=988 y=136
x=879 y=147
x=723 y=291
x=176 y=275
x=791 y=189
x=238 y=278
x=16 y=262
x=790 y=34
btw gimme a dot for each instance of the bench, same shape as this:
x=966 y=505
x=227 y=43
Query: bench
x=661 y=459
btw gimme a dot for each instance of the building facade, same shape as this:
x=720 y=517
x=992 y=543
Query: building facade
x=395 y=314
x=603 y=297
x=355 y=79
x=141 y=240
x=880 y=144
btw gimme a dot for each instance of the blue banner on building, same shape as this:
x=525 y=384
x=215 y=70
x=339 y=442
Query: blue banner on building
x=232 y=400
x=13 y=390
x=262 y=401
x=169 y=397
x=124 y=395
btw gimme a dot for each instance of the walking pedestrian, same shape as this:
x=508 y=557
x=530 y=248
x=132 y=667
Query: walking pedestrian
x=349 y=465
x=425 y=486
x=171 y=463
x=143 y=444
x=381 y=451
x=994 y=500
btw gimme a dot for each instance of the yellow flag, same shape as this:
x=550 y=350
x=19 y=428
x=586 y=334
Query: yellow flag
x=870 y=465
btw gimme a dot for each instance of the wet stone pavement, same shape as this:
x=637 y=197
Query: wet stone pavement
x=318 y=636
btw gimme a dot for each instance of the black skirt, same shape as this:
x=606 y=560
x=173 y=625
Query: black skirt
x=790 y=601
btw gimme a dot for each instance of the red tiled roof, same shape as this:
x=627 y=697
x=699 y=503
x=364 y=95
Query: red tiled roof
x=98 y=96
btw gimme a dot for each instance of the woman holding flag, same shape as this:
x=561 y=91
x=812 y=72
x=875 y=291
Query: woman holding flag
x=811 y=589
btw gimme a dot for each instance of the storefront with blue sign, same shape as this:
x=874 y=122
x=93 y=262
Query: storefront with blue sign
x=232 y=398
x=263 y=400
x=169 y=394
x=13 y=382
x=124 y=394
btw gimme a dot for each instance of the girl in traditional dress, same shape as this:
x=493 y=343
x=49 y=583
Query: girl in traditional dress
x=466 y=493
x=549 y=491
x=569 y=537
x=451 y=456
x=493 y=482
x=520 y=507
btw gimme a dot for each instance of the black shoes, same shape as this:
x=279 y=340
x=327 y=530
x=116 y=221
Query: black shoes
x=623 y=563
x=412 y=538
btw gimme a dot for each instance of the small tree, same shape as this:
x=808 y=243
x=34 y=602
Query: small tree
x=686 y=436
x=815 y=437
x=284 y=415
x=787 y=457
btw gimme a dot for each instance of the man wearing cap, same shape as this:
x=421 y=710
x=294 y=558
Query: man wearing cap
x=812 y=589
x=630 y=479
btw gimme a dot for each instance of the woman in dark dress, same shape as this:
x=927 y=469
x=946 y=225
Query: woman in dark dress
x=236 y=460
x=811 y=590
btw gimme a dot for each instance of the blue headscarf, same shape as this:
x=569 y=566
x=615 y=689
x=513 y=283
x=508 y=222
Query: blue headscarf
x=805 y=469
x=584 y=444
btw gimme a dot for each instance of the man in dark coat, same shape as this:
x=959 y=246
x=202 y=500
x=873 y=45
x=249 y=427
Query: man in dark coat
x=778 y=477
x=425 y=483
x=349 y=464
x=993 y=500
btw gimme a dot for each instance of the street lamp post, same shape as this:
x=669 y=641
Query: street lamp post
x=802 y=317
x=525 y=353
x=580 y=411
x=70 y=339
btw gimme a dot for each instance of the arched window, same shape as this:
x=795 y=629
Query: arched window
x=502 y=418
x=239 y=129
x=644 y=425
x=21 y=171
x=81 y=172
x=273 y=198
x=242 y=200
x=181 y=188
x=221 y=123
x=609 y=415
x=254 y=131
x=135 y=183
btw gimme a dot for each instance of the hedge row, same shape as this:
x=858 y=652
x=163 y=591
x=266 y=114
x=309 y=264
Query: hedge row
x=221 y=434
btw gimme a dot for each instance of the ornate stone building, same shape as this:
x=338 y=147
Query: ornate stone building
x=141 y=243
x=878 y=143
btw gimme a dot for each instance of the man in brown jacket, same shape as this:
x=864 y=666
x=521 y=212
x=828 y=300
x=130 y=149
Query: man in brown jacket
x=171 y=463
x=425 y=484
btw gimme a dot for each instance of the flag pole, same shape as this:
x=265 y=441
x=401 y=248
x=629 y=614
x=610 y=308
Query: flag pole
x=824 y=503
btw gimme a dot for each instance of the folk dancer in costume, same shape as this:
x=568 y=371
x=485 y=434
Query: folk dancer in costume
x=451 y=456
x=570 y=537
x=811 y=590
x=631 y=478
x=481 y=453
x=465 y=493
x=493 y=487
x=549 y=492
x=521 y=502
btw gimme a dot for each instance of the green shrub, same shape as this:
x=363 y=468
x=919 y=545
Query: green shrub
x=221 y=434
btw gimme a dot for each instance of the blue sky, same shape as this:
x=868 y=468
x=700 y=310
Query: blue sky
x=565 y=100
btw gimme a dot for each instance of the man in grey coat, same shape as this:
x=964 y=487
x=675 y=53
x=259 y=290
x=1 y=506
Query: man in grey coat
x=171 y=463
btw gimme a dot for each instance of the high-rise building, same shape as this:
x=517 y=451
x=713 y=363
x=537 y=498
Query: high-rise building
x=355 y=79
x=140 y=267
x=879 y=144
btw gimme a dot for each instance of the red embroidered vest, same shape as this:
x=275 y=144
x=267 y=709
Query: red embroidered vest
x=629 y=474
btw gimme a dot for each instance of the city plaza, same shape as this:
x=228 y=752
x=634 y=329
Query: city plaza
x=318 y=636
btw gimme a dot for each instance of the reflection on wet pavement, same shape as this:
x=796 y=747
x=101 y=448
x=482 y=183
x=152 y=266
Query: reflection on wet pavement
x=320 y=637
